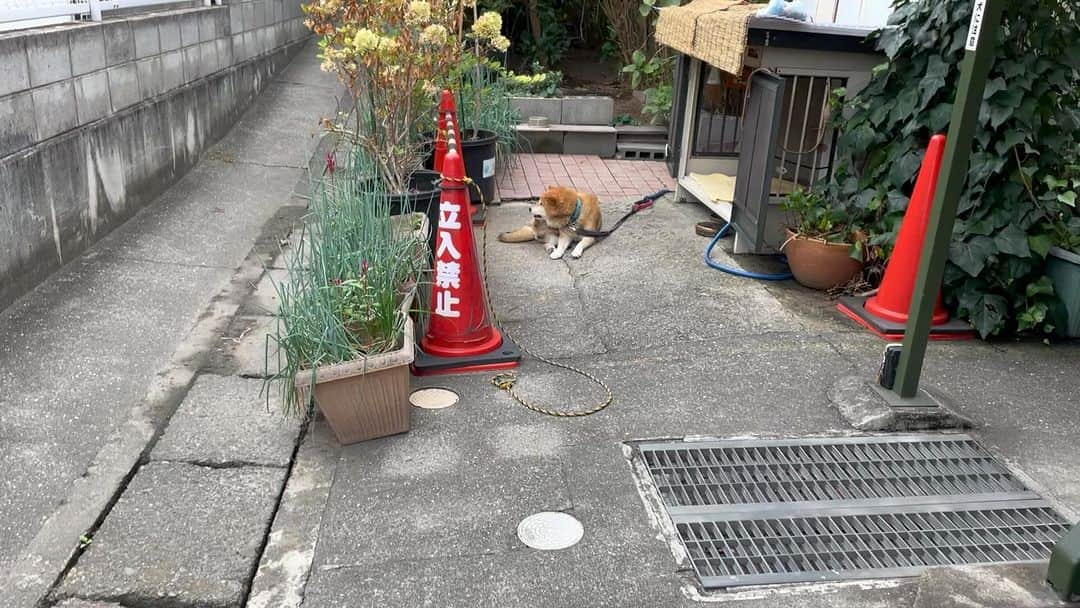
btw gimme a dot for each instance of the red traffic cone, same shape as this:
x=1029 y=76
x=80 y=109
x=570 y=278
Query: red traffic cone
x=460 y=337
x=448 y=120
x=886 y=313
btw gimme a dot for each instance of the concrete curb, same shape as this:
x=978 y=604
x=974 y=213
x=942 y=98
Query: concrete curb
x=286 y=560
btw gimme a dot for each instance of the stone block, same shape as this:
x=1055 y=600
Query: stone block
x=207 y=26
x=600 y=143
x=191 y=63
x=540 y=141
x=49 y=56
x=251 y=42
x=119 y=42
x=151 y=79
x=189 y=29
x=169 y=33
x=548 y=107
x=123 y=86
x=54 y=109
x=226 y=420
x=172 y=70
x=236 y=18
x=587 y=110
x=208 y=58
x=266 y=44
x=224 y=52
x=16 y=70
x=92 y=96
x=262 y=13
x=147 y=37
x=87 y=49
x=249 y=15
x=187 y=533
x=17 y=127
x=237 y=48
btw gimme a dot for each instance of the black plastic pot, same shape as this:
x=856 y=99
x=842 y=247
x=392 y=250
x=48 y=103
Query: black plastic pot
x=478 y=152
x=423 y=196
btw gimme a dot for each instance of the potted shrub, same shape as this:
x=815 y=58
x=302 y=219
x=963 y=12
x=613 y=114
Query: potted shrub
x=820 y=247
x=344 y=337
x=390 y=55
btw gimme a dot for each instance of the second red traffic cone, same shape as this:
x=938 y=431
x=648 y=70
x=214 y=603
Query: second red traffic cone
x=886 y=313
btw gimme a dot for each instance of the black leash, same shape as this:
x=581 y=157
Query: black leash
x=639 y=205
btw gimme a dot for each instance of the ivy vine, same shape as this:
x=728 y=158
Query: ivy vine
x=1020 y=196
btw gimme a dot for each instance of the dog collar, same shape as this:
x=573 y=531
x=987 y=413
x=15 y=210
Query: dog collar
x=577 y=212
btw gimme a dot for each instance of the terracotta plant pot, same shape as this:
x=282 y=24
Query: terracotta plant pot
x=818 y=264
x=366 y=398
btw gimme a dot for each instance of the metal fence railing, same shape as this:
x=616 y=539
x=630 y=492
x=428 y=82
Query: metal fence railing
x=15 y=14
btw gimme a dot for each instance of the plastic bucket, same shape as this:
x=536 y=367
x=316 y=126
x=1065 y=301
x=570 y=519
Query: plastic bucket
x=478 y=153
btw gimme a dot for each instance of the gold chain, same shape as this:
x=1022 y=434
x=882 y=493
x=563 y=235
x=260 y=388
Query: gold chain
x=506 y=380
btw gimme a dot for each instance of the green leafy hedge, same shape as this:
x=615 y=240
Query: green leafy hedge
x=1022 y=180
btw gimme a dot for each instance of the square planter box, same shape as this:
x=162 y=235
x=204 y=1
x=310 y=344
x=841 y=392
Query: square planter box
x=366 y=398
x=369 y=398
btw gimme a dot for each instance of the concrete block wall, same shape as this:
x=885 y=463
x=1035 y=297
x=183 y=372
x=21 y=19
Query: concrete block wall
x=97 y=119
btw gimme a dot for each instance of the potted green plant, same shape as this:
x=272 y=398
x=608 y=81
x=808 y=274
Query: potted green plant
x=820 y=247
x=344 y=337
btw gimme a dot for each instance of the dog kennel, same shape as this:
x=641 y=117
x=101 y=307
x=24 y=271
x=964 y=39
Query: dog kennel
x=751 y=105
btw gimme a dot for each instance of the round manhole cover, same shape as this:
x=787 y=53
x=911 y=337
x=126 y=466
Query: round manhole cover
x=433 y=398
x=550 y=530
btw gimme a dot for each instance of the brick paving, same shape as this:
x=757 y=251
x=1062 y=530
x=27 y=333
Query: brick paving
x=530 y=174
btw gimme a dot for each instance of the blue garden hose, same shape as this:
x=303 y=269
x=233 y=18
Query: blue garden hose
x=781 y=276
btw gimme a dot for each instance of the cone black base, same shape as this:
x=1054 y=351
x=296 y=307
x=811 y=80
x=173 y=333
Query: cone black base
x=507 y=355
x=855 y=309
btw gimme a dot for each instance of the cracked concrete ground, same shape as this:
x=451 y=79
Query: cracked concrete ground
x=429 y=518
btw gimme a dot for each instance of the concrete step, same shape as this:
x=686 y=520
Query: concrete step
x=568 y=139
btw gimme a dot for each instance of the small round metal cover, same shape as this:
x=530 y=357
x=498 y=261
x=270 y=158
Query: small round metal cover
x=433 y=398
x=550 y=531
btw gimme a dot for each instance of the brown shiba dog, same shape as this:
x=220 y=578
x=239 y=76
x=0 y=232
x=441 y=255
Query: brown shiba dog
x=559 y=212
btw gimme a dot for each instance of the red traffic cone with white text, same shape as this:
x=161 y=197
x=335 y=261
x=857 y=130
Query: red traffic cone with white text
x=886 y=313
x=460 y=336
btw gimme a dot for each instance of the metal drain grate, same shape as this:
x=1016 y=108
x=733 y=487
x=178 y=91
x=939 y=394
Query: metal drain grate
x=784 y=511
x=824 y=469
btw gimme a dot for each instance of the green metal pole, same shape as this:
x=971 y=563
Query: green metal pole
x=979 y=54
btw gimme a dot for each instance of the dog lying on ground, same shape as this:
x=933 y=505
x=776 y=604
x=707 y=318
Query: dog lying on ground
x=556 y=217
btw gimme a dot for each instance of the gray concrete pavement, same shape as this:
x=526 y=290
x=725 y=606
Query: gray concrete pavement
x=428 y=518
x=94 y=351
x=170 y=302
